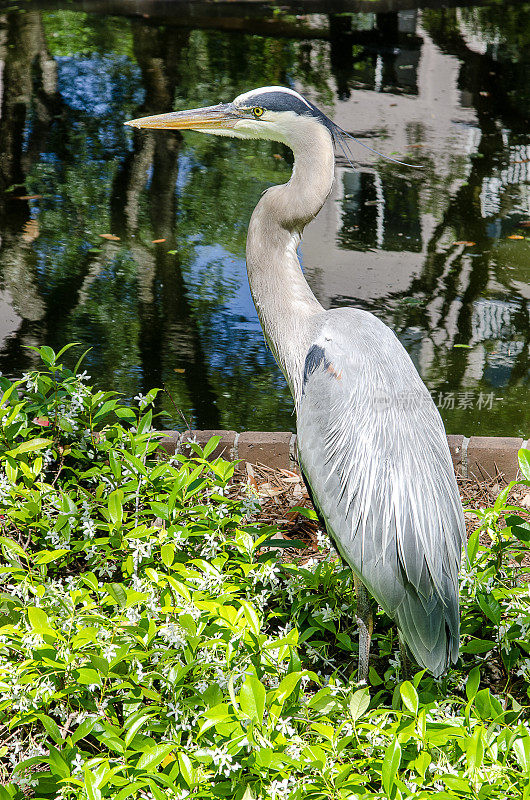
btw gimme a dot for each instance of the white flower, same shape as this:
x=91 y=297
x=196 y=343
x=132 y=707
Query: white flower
x=175 y=710
x=89 y=527
x=323 y=540
x=278 y=790
x=143 y=400
x=284 y=727
x=106 y=570
x=110 y=651
x=77 y=764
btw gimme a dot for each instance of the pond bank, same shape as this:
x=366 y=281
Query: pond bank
x=480 y=457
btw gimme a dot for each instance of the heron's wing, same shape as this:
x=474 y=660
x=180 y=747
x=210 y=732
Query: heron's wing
x=373 y=448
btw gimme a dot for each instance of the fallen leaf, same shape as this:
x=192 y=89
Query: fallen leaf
x=515 y=236
x=28 y=197
x=297 y=492
x=467 y=244
x=157 y=241
x=180 y=371
x=110 y=237
x=251 y=476
x=31 y=230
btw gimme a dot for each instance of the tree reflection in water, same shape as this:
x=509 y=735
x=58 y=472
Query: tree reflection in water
x=167 y=303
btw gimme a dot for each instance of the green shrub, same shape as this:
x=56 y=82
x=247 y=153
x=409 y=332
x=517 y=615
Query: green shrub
x=152 y=646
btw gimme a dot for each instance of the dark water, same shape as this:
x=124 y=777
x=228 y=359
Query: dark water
x=431 y=253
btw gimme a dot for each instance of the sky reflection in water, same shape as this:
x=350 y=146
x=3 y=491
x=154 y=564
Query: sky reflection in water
x=441 y=255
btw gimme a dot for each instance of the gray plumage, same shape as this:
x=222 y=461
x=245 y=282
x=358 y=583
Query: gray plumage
x=371 y=442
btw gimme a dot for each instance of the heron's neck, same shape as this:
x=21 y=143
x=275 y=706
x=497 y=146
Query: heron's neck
x=285 y=304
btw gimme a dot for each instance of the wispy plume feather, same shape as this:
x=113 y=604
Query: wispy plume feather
x=340 y=137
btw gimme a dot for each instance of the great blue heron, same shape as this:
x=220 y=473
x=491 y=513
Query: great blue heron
x=371 y=444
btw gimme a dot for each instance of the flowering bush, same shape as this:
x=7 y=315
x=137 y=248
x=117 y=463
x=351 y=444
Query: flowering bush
x=154 y=645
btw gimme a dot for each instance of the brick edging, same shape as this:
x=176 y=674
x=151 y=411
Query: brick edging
x=479 y=457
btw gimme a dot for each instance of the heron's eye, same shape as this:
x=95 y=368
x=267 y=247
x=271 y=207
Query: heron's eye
x=258 y=112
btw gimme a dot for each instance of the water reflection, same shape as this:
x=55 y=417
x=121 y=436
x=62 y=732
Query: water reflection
x=133 y=243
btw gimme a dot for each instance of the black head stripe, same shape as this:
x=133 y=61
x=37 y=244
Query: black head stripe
x=285 y=101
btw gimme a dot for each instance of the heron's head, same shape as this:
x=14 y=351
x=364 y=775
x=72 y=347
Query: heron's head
x=272 y=112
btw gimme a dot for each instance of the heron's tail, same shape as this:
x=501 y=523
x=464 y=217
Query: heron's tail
x=430 y=625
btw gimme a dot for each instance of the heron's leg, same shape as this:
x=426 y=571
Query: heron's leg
x=405 y=660
x=365 y=622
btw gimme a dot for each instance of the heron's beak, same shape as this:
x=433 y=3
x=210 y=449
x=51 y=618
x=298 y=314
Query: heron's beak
x=211 y=118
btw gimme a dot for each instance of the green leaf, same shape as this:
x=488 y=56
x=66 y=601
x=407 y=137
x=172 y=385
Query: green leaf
x=118 y=593
x=10 y=545
x=57 y=763
x=157 y=793
x=390 y=765
x=83 y=730
x=134 y=462
x=133 y=729
x=49 y=555
x=30 y=446
x=105 y=409
x=252 y=698
x=88 y=677
x=483 y=704
x=115 y=464
x=167 y=553
x=478 y=646
x=409 y=695
x=91 y=785
x=51 y=728
x=186 y=769
x=47 y=354
x=115 y=504
x=123 y=412
x=521 y=748
x=472 y=547
x=251 y=616
x=152 y=757
x=490 y=606
x=90 y=579
x=310 y=513
x=475 y=750
x=129 y=790
x=283 y=543
x=287 y=686
x=38 y=619
x=359 y=703
x=519 y=527
x=160 y=509
x=144 y=422
x=524 y=462
x=472 y=683
x=210 y=446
